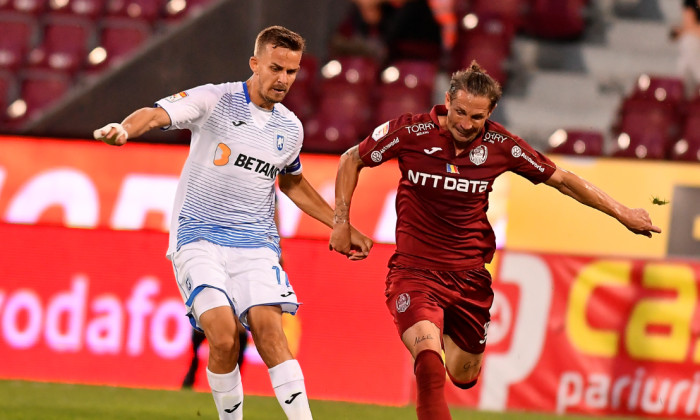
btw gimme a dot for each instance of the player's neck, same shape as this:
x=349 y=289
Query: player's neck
x=254 y=95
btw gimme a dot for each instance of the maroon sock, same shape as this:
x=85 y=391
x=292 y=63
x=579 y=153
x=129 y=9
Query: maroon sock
x=430 y=377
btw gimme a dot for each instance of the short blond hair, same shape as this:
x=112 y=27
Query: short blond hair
x=279 y=36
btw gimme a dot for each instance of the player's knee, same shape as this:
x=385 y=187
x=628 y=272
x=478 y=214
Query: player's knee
x=466 y=380
x=222 y=345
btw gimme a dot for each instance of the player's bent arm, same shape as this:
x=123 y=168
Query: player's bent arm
x=345 y=183
x=346 y=179
x=298 y=189
x=134 y=125
x=568 y=183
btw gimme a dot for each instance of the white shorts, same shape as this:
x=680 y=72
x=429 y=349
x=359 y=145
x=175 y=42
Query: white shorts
x=247 y=276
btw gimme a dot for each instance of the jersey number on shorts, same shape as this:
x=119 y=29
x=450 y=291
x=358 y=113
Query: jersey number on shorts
x=278 y=272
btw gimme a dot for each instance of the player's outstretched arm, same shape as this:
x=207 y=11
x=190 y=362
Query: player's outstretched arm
x=636 y=220
x=137 y=123
x=300 y=191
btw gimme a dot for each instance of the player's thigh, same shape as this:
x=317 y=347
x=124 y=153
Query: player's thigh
x=219 y=325
x=415 y=299
x=258 y=279
x=462 y=365
x=200 y=268
x=423 y=335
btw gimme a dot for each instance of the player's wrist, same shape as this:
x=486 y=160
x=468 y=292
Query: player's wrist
x=340 y=220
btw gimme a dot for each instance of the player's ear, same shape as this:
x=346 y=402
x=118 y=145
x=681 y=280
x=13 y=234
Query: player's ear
x=253 y=63
x=493 y=109
x=447 y=99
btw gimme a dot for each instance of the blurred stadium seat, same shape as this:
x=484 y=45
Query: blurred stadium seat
x=360 y=71
x=118 y=39
x=64 y=44
x=146 y=10
x=33 y=7
x=342 y=120
x=303 y=101
x=555 y=19
x=687 y=148
x=7 y=85
x=645 y=131
x=18 y=31
x=511 y=11
x=38 y=90
x=577 y=142
x=405 y=86
x=345 y=105
x=486 y=39
x=667 y=89
x=92 y=9
x=175 y=10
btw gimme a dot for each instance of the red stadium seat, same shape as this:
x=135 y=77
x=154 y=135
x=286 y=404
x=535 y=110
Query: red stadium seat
x=395 y=100
x=406 y=86
x=303 y=99
x=511 y=11
x=38 y=91
x=652 y=113
x=411 y=73
x=32 y=7
x=486 y=39
x=146 y=10
x=176 y=10
x=646 y=130
x=119 y=38
x=493 y=60
x=687 y=148
x=660 y=88
x=577 y=142
x=343 y=119
x=354 y=70
x=92 y=9
x=17 y=33
x=556 y=19
x=345 y=105
x=7 y=85
x=64 y=45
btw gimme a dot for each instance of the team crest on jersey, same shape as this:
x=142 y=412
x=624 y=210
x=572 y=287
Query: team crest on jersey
x=478 y=155
x=280 y=141
x=176 y=97
x=376 y=156
x=380 y=131
x=403 y=302
x=516 y=151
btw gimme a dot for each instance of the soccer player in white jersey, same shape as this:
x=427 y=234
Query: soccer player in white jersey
x=224 y=243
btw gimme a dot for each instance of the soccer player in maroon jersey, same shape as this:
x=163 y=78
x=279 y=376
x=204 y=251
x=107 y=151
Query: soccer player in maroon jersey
x=437 y=289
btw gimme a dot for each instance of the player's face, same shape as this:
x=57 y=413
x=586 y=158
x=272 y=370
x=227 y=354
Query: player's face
x=466 y=115
x=274 y=71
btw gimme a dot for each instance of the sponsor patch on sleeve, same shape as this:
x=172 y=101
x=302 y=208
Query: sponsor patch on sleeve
x=380 y=131
x=176 y=97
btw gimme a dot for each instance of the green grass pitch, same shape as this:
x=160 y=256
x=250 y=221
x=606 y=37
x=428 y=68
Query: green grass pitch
x=21 y=400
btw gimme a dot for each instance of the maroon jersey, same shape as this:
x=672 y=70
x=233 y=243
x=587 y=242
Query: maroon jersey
x=442 y=198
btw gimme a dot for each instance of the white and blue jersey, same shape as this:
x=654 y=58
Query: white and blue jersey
x=226 y=193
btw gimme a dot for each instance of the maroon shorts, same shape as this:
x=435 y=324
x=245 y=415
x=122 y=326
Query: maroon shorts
x=458 y=302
